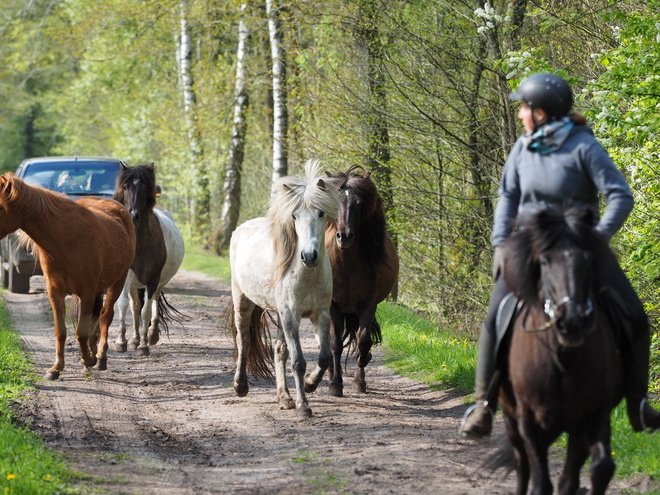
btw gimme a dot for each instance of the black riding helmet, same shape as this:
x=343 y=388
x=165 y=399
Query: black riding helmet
x=548 y=92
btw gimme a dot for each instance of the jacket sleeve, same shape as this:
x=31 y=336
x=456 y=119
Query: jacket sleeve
x=506 y=210
x=612 y=184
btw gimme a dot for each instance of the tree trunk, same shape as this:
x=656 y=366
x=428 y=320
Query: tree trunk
x=201 y=196
x=231 y=204
x=378 y=154
x=280 y=114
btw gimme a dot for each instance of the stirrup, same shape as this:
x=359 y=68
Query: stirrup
x=645 y=428
x=467 y=413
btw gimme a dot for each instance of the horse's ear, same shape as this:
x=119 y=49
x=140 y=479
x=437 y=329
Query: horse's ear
x=328 y=173
x=123 y=165
x=152 y=166
x=321 y=184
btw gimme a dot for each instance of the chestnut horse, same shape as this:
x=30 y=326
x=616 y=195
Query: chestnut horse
x=85 y=248
x=365 y=267
x=564 y=373
x=279 y=263
x=158 y=255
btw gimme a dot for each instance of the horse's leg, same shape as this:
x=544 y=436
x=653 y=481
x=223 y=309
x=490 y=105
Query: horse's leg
x=576 y=455
x=153 y=335
x=290 y=326
x=84 y=327
x=243 y=308
x=364 y=344
x=135 y=313
x=105 y=320
x=59 y=328
x=322 y=325
x=519 y=452
x=121 y=345
x=145 y=317
x=281 y=356
x=536 y=446
x=602 y=465
x=337 y=329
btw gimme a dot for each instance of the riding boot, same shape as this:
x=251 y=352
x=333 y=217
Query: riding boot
x=478 y=419
x=636 y=368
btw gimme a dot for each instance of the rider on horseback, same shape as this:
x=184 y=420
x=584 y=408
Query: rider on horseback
x=559 y=161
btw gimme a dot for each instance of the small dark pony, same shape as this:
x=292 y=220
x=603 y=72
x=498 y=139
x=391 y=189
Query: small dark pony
x=158 y=255
x=365 y=267
x=564 y=373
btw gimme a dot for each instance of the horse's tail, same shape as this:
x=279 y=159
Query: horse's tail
x=260 y=350
x=168 y=313
x=502 y=458
x=351 y=326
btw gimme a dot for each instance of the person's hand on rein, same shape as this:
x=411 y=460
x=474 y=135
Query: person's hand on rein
x=498 y=262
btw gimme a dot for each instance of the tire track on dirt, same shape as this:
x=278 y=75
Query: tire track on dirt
x=170 y=423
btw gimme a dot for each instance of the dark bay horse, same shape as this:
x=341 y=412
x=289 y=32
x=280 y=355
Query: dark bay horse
x=85 y=248
x=158 y=255
x=365 y=267
x=564 y=372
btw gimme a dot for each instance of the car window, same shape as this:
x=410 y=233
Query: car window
x=73 y=178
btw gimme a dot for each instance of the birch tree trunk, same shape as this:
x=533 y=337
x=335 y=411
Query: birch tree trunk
x=201 y=196
x=231 y=204
x=280 y=114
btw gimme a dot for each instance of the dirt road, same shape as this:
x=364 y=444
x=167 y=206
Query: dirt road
x=171 y=424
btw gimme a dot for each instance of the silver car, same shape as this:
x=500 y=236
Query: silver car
x=74 y=176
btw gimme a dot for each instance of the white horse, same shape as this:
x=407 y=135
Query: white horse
x=279 y=263
x=158 y=255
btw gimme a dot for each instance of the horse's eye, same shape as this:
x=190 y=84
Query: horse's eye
x=543 y=260
x=293 y=215
x=321 y=214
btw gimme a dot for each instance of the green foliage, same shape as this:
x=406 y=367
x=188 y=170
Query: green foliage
x=417 y=348
x=26 y=465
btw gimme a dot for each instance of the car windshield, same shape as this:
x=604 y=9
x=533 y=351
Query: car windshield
x=75 y=178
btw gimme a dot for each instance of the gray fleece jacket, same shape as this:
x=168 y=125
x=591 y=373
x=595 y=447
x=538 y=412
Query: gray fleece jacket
x=572 y=175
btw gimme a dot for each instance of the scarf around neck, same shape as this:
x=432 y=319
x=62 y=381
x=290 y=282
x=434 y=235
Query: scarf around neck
x=549 y=137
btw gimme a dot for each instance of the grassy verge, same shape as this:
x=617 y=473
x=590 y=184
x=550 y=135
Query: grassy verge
x=26 y=465
x=419 y=349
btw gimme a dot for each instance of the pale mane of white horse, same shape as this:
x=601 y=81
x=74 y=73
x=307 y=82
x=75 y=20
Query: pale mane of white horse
x=290 y=194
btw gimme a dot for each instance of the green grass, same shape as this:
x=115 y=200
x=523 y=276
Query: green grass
x=198 y=259
x=27 y=467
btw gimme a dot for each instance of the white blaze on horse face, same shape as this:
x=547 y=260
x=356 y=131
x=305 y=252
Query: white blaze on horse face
x=310 y=231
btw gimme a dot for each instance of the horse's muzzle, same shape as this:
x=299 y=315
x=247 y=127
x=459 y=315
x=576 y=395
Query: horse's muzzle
x=310 y=258
x=345 y=239
x=574 y=323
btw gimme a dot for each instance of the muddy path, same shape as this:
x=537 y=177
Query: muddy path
x=170 y=423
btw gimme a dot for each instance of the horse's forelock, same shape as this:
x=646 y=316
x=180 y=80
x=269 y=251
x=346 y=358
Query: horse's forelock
x=143 y=173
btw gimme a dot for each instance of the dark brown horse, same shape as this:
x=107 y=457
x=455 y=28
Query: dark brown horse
x=564 y=372
x=365 y=267
x=85 y=248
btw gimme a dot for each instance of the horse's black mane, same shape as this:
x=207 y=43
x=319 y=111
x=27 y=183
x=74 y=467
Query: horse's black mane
x=539 y=232
x=373 y=222
x=145 y=174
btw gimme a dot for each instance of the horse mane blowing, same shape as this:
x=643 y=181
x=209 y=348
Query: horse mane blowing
x=28 y=199
x=289 y=194
x=538 y=231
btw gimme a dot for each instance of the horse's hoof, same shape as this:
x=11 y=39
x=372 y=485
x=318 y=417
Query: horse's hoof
x=121 y=347
x=304 y=412
x=154 y=338
x=310 y=387
x=336 y=390
x=360 y=387
x=89 y=363
x=363 y=360
x=143 y=350
x=102 y=365
x=134 y=344
x=52 y=375
x=241 y=389
x=287 y=403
